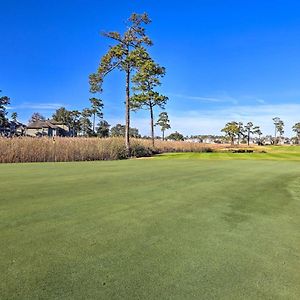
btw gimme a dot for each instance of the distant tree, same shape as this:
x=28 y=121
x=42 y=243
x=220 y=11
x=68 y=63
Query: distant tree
x=14 y=116
x=259 y=133
x=134 y=132
x=125 y=55
x=36 y=117
x=279 y=128
x=231 y=130
x=268 y=139
x=62 y=115
x=164 y=123
x=75 y=125
x=251 y=129
x=103 y=129
x=4 y=102
x=85 y=122
x=145 y=81
x=241 y=133
x=176 y=136
x=119 y=130
x=96 y=110
x=296 y=129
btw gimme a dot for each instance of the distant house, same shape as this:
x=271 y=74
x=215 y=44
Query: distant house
x=208 y=140
x=193 y=140
x=12 y=128
x=48 y=128
x=17 y=128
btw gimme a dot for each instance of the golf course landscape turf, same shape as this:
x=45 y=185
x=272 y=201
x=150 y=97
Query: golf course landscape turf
x=177 y=226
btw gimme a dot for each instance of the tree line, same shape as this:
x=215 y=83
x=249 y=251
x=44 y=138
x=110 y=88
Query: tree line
x=237 y=131
x=81 y=124
x=88 y=122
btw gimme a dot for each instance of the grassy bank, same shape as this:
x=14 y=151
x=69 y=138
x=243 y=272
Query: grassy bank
x=150 y=229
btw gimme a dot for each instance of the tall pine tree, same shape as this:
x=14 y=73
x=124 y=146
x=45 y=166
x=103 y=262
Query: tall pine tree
x=124 y=55
x=146 y=80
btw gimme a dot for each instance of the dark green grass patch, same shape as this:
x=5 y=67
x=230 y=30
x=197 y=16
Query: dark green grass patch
x=150 y=229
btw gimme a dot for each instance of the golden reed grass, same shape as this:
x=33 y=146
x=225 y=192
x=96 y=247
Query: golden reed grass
x=26 y=149
x=182 y=146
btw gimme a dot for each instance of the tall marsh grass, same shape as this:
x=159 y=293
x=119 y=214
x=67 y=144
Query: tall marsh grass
x=26 y=149
x=61 y=149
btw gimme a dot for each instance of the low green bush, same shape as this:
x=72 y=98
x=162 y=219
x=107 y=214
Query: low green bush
x=138 y=150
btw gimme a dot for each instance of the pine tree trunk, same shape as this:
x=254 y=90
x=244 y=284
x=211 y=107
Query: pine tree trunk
x=152 y=125
x=127 y=112
x=163 y=135
x=94 y=123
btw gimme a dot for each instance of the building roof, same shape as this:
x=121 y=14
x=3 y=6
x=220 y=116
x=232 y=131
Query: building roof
x=56 y=122
x=41 y=124
x=16 y=124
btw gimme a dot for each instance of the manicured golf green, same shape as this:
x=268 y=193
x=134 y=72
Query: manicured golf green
x=150 y=229
x=283 y=156
x=260 y=153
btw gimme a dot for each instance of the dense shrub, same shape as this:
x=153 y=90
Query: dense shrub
x=139 y=150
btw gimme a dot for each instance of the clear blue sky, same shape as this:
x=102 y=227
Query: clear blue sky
x=225 y=59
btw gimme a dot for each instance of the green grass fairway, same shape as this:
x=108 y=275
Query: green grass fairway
x=270 y=153
x=283 y=156
x=150 y=229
